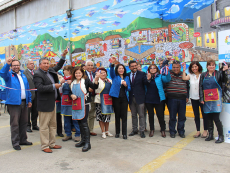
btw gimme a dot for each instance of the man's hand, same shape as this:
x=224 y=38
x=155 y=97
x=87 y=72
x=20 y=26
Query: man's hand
x=63 y=81
x=9 y=60
x=148 y=76
x=57 y=85
x=186 y=100
x=64 y=53
x=225 y=68
x=90 y=89
x=202 y=102
x=74 y=97
x=29 y=105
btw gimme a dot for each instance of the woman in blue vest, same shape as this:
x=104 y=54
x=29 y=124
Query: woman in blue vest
x=81 y=100
x=120 y=93
x=210 y=96
x=155 y=96
x=104 y=107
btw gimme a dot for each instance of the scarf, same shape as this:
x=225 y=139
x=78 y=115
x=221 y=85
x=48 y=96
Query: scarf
x=67 y=77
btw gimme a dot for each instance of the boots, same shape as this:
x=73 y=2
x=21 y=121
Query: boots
x=220 y=133
x=210 y=130
x=87 y=145
x=82 y=142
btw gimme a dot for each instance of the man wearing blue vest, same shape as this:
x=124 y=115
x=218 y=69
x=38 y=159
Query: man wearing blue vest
x=18 y=101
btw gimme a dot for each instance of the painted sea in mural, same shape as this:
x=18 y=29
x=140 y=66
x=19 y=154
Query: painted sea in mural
x=143 y=30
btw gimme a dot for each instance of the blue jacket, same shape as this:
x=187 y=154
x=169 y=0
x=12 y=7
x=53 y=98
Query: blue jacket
x=159 y=80
x=116 y=85
x=13 y=97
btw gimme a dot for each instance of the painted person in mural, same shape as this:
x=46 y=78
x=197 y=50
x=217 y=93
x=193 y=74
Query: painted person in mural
x=177 y=91
x=195 y=70
x=47 y=83
x=119 y=93
x=104 y=106
x=17 y=101
x=66 y=106
x=89 y=73
x=155 y=96
x=210 y=92
x=81 y=103
x=138 y=81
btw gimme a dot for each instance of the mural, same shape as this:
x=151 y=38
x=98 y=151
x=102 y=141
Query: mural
x=143 y=30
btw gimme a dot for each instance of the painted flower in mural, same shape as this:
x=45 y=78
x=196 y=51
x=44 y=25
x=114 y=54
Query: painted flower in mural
x=167 y=53
x=152 y=56
x=176 y=53
x=125 y=58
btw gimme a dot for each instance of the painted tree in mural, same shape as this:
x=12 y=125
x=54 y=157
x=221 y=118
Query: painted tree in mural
x=19 y=50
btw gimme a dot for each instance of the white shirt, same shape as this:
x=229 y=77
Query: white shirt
x=131 y=76
x=23 y=91
x=194 y=87
x=89 y=75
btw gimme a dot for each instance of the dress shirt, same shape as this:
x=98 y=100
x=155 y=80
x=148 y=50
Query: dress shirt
x=89 y=75
x=23 y=91
x=131 y=76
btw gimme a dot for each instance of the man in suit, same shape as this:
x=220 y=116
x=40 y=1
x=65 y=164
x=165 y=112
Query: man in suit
x=29 y=73
x=91 y=118
x=18 y=100
x=138 y=80
x=47 y=84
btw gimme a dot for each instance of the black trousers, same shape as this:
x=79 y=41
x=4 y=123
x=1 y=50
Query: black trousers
x=159 y=108
x=120 y=106
x=216 y=118
x=85 y=119
x=33 y=114
x=59 y=123
x=195 y=106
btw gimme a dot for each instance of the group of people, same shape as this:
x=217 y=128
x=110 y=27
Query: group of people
x=81 y=95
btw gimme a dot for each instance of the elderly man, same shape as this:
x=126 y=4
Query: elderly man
x=91 y=76
x=177 y=91
x=32 y=112
x=47 y=84
x=18 y=100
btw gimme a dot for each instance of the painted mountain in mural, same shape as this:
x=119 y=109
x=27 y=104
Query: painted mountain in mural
x=57 y=43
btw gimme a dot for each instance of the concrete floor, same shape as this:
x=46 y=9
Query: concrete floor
x=156 y=154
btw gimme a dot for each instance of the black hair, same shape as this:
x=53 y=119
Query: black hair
x=200 y=69
x=130 y=62
x=116 y=69
x=176 y=62
x=16 y=60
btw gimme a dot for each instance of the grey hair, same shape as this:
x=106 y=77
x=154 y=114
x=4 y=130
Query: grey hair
x=88 y=62
x=28 y=61
x=44 y=58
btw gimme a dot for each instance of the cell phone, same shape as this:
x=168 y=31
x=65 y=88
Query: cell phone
x=122 y=81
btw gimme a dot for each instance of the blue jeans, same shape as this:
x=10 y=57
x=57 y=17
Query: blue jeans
x=177 y=106
x=68 y=128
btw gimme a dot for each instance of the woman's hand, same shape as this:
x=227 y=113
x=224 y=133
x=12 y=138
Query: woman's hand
x=98 y=74
x=74 y=97
x=148 y=76
x=184 y=66
x=225 y=68
x=62 y=81
x=202 y=102
x=124 y=83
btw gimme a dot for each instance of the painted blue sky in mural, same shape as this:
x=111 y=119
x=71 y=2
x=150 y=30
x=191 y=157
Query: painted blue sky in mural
x=105 y=16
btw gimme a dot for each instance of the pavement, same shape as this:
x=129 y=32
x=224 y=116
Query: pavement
x=141 y=155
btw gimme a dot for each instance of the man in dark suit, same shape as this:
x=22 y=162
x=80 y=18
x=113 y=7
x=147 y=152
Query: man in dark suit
x=91 y=118
x=29 y=73
x=47 y=84
x=138 y=80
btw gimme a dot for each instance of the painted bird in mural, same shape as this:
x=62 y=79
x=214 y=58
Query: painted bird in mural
x=115 y=2
x=90 y=13
x=105 y=7
x=80 y=26
x=75 y=32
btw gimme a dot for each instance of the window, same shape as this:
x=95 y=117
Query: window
x=227 y=11
x=217 y=15
x=198 y=22
x=210 y=40
x=199 y=41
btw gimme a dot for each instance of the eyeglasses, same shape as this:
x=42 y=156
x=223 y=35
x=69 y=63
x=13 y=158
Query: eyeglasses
x=15 y=65
x=153 y=68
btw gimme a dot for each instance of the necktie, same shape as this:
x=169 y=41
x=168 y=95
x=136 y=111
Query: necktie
x=32 y=72
x=133 y=79
x=91 y=77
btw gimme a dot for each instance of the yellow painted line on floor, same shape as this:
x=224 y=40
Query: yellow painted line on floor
x=4 y=126
x=158 y=162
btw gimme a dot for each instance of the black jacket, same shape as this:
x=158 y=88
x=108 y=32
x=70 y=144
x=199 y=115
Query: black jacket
x=220 y=78
x=45 y=91
x=138 y=88
x=90 y=93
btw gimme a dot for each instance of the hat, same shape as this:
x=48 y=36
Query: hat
x=102 y=68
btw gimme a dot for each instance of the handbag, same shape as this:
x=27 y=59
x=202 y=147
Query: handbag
x=66 y=100
x=107 y=99
x=77 y=104
x=211 y=95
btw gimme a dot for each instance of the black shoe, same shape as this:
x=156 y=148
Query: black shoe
x=210 y=136
x=133 y=133
x=87 y=145
x=35 y=128
x=26 y=143
x=117 y=136
x=182 y=135
x=60 y=134
x=17 y=147
x=124 y=136
x=29 y=129
x=172 y=135
x=220 y=140
x=142 y=134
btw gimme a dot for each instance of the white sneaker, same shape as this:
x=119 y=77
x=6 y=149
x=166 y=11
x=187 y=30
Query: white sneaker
x=109 y=134
x=103 y=135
